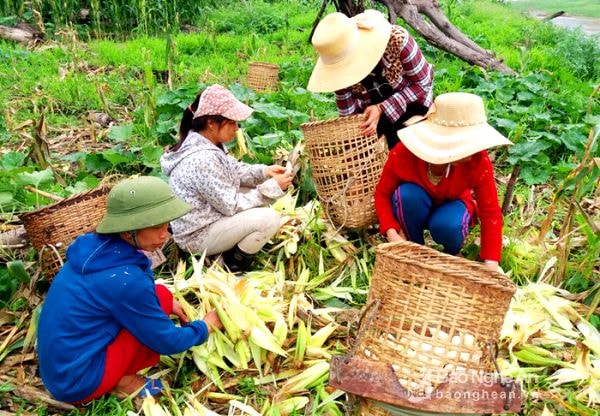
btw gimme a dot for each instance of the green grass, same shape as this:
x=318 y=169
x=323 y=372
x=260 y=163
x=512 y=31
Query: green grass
x=590 y=8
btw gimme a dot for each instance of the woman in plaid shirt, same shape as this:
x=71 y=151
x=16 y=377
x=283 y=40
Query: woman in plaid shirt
x=374 y=68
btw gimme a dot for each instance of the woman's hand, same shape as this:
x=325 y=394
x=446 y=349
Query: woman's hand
x=178 y=310
x=491 y=265
x=284 y=180
x=273 y=170
x=212 y=321
x=281 y=175
x=373 y=114
x=393 y=235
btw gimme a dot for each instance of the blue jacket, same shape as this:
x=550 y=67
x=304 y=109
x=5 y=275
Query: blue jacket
x=105 y=285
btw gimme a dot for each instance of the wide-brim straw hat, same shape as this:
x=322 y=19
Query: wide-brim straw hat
x=455 y=127
x=348 y=48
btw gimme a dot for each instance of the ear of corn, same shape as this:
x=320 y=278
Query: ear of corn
x=528 y=356
x=233 y=331
x=301 y=340
x=301 y=381
x=240 y=141
x=260 y=322
x=590 y=334
x=242 y=350
x=256 y=353
x=266 y=340
x=318 y=338
x=288 y=406
x=543 y=331
x=327 y=401
x=280 y=330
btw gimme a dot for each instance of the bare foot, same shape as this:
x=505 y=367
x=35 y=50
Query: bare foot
x=128 y=385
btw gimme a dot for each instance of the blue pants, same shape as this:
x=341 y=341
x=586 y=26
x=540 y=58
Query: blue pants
x=448 y=223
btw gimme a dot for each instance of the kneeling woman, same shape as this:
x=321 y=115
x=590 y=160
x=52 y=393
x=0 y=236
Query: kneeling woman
x=104 y=319
x=228 y=197
x=440 y=177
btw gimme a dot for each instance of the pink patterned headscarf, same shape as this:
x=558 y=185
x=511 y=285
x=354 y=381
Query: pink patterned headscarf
x=218 y=100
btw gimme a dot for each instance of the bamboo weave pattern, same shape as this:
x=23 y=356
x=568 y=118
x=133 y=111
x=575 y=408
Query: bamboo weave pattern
x=439 y=316
x=262 y=76
x=52 y=228
x=346 y=167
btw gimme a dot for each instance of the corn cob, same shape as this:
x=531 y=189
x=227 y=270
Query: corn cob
x=301 y=341
x=303 y=380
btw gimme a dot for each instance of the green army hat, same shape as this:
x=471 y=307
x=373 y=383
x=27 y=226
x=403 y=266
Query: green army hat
x=142 y=202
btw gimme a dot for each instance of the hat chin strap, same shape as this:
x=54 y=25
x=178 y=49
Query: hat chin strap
x=134 y=239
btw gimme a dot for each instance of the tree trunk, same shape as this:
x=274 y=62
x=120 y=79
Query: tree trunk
x=442 y=33
x=439 y=31
x=22 y=33
x=349 y=8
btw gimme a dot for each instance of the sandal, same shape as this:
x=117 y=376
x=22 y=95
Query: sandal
x=153 y=387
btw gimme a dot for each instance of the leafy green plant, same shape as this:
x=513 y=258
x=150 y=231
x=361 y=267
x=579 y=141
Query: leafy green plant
x=544 y=123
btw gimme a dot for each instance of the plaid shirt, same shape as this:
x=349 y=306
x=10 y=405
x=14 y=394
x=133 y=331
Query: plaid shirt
x=413 y=82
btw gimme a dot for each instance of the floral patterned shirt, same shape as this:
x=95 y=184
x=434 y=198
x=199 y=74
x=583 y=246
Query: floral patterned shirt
x=216 y=185
x=406 y=70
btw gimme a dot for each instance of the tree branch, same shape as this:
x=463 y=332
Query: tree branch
x=410 y=14
x=432 y=10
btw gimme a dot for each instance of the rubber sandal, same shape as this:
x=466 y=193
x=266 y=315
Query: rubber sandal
x=152 y=387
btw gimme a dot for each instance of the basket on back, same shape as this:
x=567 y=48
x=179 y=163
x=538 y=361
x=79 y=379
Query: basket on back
x=346 y=167
x=52 y=228
x=429 y=334
x=262 y=76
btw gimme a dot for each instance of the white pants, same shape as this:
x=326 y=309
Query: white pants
x=250 y=230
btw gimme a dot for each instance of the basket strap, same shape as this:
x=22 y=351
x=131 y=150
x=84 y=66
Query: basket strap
x=508 y=385
x=56 y=252
x=362 y=328
x=341 y=195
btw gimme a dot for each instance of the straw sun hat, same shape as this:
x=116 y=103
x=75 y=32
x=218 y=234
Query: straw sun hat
x=455 y=127
x=348 y=48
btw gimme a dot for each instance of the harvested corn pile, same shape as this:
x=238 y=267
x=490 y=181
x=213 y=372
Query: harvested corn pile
x=544 y=337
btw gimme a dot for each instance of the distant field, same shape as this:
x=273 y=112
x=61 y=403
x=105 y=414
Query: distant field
x=589 y=8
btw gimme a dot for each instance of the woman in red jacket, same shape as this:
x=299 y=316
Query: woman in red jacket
x=440 y=177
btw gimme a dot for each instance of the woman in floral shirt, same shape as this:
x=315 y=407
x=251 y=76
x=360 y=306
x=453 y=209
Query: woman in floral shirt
x=228 y=197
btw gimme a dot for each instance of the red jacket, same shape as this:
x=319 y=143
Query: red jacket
x=471 y=181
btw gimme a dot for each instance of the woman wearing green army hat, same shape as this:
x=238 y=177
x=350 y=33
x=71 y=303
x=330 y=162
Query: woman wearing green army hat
x=104 y=319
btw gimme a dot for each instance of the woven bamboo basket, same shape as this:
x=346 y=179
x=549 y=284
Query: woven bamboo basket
x=52 y=228
x=262 y=76
x=346 y=167
x=436 y=318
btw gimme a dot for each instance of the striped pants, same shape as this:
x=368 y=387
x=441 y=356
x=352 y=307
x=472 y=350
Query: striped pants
x=448 y=222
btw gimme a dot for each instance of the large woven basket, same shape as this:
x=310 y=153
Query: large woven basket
x=262 y=76
x=52 y=228
x=346 y=167
x=434 y=318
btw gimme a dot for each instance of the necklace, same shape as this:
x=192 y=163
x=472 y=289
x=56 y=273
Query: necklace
x=435 y=179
